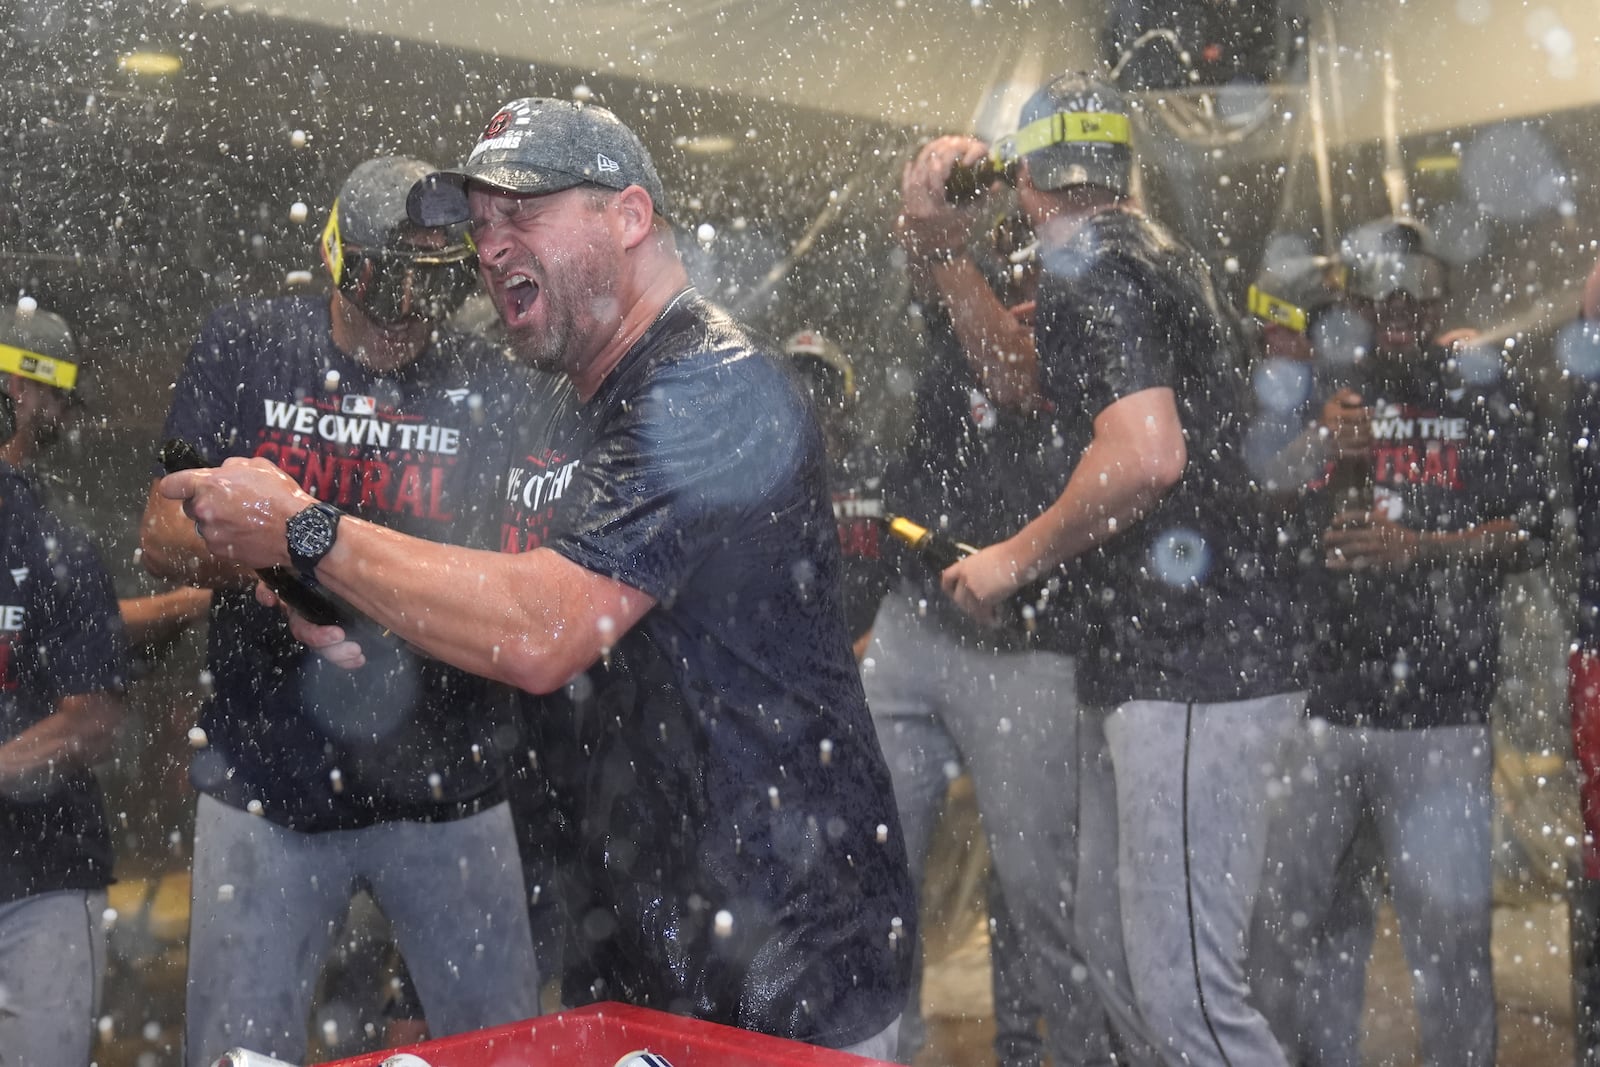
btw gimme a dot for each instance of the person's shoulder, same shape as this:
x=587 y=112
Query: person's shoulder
x=269 y=314
x=27 y=515
x=708 y=350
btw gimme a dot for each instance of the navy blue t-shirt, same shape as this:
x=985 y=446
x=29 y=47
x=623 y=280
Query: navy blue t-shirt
x=739 y=852
x=1189 y=604
x=60 y=636
x=977 y=471
x=418 y=450
x=1419 y=647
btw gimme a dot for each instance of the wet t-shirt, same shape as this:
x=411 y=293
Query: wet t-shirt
x=418 y=450
x=979 y=472
x=1189 y=603
x=60 y=636
x=740 y=858
x=1418 y=646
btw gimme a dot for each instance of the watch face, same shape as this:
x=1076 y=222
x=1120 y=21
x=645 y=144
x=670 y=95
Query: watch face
x=310 y=535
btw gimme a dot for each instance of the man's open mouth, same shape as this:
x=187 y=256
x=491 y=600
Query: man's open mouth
x=520 y=291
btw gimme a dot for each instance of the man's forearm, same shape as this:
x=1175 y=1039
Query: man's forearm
x=1500 y=543
x=532 y=620
x=999 y=347
x=77 y=735
x=1098 y=504
x=148 y=619
x=1136 y=455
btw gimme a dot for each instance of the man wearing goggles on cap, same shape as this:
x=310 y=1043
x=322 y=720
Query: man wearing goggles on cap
x=1185 y=677
x=411 y=281
x=314 y=780
x=62 y=673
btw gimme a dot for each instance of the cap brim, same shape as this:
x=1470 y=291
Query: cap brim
x=440 y=199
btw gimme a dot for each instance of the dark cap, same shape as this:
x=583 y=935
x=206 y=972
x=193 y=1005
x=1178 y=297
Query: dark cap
x=1295 y=282
x=372 y=201
x=537 y=145
x=1075 y=130
x=38 y=345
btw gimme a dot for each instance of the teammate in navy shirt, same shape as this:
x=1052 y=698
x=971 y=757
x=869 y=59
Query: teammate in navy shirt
x=985 y=454
x=1185 y=668
x=388 y=776
x=61 y=682
x=669 y=603
x=1445 y=496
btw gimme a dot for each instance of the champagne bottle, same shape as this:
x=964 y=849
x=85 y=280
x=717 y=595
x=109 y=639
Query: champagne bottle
x=939 y=551
x=316 y=605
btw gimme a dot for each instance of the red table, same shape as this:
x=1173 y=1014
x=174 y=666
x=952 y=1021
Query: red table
x=599 y=1035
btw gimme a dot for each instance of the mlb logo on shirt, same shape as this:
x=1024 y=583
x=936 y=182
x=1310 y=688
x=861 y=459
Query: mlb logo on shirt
x=358 y=405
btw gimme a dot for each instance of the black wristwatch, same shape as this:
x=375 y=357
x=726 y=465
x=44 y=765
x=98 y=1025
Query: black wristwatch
x=311 y=534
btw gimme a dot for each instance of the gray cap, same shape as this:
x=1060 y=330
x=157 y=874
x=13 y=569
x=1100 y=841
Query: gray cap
x=38 y=345
x=1075 y=130
x=1294 y=282
x=537 y=145
x=372 y=201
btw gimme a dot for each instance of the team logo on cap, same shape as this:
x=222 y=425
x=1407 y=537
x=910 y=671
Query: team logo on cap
x=498 y=124
x=606 y=164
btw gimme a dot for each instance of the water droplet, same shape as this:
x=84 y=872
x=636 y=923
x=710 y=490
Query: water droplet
x=298 y=212
x=298 y=139
x=254 y=807
x=225 y=892
x=1281 y=385
x=198 y=738
x=722 y=925
x=1180 y=557
x=825 y=751
x=883 y=833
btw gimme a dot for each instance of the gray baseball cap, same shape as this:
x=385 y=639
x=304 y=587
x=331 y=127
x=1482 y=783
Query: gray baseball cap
x=372 y=201
x=38 y=345
x=1075 y=130
x=538 y=145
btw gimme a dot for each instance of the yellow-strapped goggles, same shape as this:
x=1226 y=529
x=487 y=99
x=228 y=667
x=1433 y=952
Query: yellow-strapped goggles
x=61 y=373
x=1268 y=308
x=1064 y=127
x=333 y=245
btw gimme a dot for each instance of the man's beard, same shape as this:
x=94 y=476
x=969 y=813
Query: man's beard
x=553 y=347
